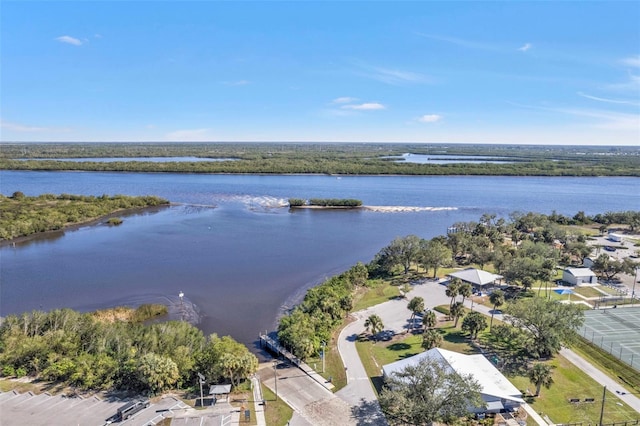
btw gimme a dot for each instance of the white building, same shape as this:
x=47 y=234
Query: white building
x=617 y=238
x=579 y=276
x=497 y=392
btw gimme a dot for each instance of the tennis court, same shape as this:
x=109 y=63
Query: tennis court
x=615 y=330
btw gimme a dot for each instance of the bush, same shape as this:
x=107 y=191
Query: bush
x=114 y=221
x=8 y=371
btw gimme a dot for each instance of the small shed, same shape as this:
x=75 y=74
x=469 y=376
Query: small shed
x=220 y=391
x=579 y=276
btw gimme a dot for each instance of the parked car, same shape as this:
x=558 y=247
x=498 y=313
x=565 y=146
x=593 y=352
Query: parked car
x=609 y=248
x=131 y=408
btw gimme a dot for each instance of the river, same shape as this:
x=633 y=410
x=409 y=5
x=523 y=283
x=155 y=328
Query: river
x=238 y=253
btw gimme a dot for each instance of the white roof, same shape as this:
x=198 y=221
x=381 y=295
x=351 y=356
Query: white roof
x=476 y=276
x=581 y=272
x=494 y=385
x=219 y=389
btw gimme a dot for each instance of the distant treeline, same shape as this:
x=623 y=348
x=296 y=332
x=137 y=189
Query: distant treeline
x=21 y=215
x=345 y=159
x=325 y=202
x=91 y=351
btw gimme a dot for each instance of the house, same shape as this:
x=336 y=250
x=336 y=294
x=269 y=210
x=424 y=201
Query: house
x=579 y=276
x=497 y=392
x=478 y=278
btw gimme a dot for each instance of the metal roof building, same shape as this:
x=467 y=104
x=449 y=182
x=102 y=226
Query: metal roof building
x=476 y=277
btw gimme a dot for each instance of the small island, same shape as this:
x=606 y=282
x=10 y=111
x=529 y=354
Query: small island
x=324 y=203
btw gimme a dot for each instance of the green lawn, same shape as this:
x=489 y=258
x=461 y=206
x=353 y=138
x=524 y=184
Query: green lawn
x=570 y=382
x=379 y=292
x=276 y=413
x=588 y=291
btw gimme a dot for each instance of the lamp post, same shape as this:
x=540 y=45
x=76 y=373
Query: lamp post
x=202 y=381
x=633 y=290
x=323 y=363
x=275 y=376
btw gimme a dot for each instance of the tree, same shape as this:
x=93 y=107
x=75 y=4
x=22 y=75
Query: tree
x=457 y=312
x=540 y=375
x=416 y=306
x=608 y=268
x=429 y=320
x=474 y=323
x=453 y=289
x=404 y=290
x=466 y=290
x=546 y=324
x=497 y=299
x=402 y=251
x=429 y=392
x=431 y=339
x=158 y=372
x=374 y=325
x=434 y=254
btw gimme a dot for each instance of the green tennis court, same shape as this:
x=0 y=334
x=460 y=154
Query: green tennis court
x=615 y=330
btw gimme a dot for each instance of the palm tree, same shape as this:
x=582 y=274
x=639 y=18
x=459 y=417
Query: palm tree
x=374 y=324
x=496 y=299
x=465 y=291
x=453 y=289
x=457 y=312
x=431 y=339
x=416 y=306
x=429 y=320
x=540 y=375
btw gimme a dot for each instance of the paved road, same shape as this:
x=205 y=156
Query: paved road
x=313 y=404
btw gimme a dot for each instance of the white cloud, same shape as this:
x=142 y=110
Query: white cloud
x=367 y=106
x=430 y=118
x=344 y=100
x=190 y=135
x=526 y=47
x=69 y=40
x=611 y=101
x=633 y=61
x=24 y=128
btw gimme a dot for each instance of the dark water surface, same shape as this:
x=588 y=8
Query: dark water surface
x=237 y=252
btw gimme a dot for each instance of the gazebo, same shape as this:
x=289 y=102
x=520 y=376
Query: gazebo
x=219 y=391
x=476 y=277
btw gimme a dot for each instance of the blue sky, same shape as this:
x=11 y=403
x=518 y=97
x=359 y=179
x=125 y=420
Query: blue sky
x=469 y=72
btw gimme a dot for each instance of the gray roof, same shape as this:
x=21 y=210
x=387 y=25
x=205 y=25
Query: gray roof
x=220 y=389
x=581 y=272
x=476 y=276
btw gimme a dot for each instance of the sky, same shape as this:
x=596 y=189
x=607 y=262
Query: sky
x=543 y=72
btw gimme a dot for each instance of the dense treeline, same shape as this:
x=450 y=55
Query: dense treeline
x=282 y=158
x=324 y=307
x=525 y=248
x=86 y=351
x=21 y=215
x=325 y=202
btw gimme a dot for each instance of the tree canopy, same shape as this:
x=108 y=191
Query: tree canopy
x=429 y=392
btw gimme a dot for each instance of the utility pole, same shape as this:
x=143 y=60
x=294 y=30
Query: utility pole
x=604 y=396
x=323 y=363
x=275 y=376
x=202 y=381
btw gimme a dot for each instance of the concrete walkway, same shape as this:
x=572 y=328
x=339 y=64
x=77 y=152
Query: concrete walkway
x=258 y=400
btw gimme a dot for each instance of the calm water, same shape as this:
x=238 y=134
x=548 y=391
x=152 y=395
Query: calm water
x=128 y=159
x=241 y=256
x=449 y=159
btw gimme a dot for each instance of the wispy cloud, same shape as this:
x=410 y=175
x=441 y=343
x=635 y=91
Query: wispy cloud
x=69 y=40
x=190 y=135
x=611 y=101
x=236 y=83
x=344 y=100
x=430 y=118
x=392 y=76
x=632 y=61
x=25 y=128
x=367 y=106
x=469 y=44
x=525 y=47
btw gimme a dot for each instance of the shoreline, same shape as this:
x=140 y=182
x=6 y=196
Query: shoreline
x=89 y=222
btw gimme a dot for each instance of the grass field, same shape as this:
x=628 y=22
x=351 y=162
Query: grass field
x=276 y=413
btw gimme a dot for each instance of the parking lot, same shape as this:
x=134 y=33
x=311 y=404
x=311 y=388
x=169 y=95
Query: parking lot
x=22 y=409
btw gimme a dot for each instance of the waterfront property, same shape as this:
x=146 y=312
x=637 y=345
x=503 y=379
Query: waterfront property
x=497 y=392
